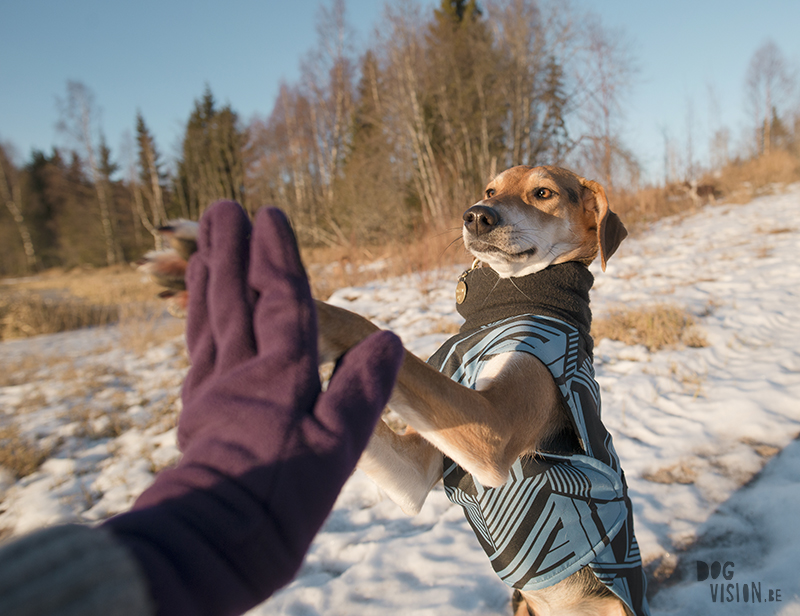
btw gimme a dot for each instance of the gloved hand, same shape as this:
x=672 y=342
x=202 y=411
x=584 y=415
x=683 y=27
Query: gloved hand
x=265 y=453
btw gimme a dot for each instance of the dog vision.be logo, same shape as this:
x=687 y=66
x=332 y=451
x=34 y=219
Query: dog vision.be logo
x=728 y=591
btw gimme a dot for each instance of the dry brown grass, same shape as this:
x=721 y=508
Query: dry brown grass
x=57 y=301
x=330 y=269
x=145 y=324
x=108 y=286
x=656 y=327
x=682 y=472
x=741 y=181
x=639 y=208
x=164 y=412
x=20 y=454
x=738 y=182
x=27 y=367
x=23 y=315
x=96 y=423
x=762 y=449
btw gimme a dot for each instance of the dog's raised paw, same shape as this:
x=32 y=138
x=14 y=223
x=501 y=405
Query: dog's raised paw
x=167 y=268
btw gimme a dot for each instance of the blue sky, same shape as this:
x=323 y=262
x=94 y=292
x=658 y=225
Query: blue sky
x=157 y=56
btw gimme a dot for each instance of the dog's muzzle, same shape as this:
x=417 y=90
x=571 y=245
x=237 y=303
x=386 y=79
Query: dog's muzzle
x=480 y=219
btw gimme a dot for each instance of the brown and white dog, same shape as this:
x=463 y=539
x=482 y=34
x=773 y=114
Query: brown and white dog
x=530 y=218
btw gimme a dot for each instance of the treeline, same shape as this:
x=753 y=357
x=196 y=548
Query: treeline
x=78 y=206
x=365 y=148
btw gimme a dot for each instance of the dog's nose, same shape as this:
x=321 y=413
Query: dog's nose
x=480 y=219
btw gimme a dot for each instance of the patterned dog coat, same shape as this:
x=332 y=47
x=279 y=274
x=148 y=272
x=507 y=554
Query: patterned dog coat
x=557 y=512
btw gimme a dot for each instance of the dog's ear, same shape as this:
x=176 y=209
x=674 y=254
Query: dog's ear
x=610 y=230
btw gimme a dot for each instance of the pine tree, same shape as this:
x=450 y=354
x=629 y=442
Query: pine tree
x=107 y=168
x=465 y=118
x=212 y=165
x=458 y=12
x=553 y=144
x=370 y=194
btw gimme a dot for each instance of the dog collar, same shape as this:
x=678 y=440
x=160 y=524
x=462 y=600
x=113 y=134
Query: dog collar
x=559 y=291
x=461 y=285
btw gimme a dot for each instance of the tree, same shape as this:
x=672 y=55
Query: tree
x=78 y=121
x=327 y=80
x=719 y=143
x=606 y=79
x=62 y=209
x=11 y=194
x=372 y=188
x=538 y=84
x=281 y=162
x=212 y=163
x=768 y=83
x=148 y=184
x=442 y=102
x=554 y=141
x=465 y=117
x=404 y=113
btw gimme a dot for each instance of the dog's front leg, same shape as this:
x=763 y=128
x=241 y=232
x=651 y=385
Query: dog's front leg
x=405 y=466
x=339 y=331
x=483 y=431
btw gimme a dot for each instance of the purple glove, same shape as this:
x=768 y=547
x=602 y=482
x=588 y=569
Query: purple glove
x=265 y=453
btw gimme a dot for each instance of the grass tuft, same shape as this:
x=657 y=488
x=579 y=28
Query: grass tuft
x=144 y=324
x=20 y=454
x=656 y=327
x=682 y=472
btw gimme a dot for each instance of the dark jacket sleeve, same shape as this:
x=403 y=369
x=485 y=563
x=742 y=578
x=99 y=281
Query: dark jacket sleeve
x=69 y=571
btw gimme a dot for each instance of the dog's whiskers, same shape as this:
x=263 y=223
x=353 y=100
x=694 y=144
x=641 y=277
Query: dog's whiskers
x=525 y=295
x=446 y=248
x=485 y=299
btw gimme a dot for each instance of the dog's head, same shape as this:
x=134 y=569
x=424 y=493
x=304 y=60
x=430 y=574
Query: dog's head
x=533 y=217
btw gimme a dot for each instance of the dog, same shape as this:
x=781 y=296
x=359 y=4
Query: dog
x=507 y=412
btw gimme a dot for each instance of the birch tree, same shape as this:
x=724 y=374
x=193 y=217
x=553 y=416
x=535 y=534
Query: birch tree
x=78 y=121
x=147 y=183
x=404 y=64
x=327 y=83
x=768 y=83
x=282 y=159
x=606 y=77
x=11 y=194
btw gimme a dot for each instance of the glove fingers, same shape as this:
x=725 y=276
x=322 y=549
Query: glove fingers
x=224 y=244
x=284 y=311
x=360 y=389
x=199 y=339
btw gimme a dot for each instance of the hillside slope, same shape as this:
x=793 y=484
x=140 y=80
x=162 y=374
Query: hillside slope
x=691 y=425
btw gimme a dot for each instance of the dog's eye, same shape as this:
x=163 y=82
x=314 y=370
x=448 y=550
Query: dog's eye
x=490 y=192
x=542 y=193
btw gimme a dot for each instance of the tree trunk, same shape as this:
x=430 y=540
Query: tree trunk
x=13 y=199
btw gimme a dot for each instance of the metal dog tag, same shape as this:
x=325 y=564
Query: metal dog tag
x=461 y=292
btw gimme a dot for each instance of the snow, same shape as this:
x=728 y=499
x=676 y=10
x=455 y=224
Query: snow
x=707 y=436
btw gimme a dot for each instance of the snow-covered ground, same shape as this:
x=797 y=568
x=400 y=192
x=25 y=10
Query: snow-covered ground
x=692 y=427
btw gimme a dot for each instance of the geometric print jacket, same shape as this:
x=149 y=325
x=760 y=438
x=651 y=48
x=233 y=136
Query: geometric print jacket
x=557 y=512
